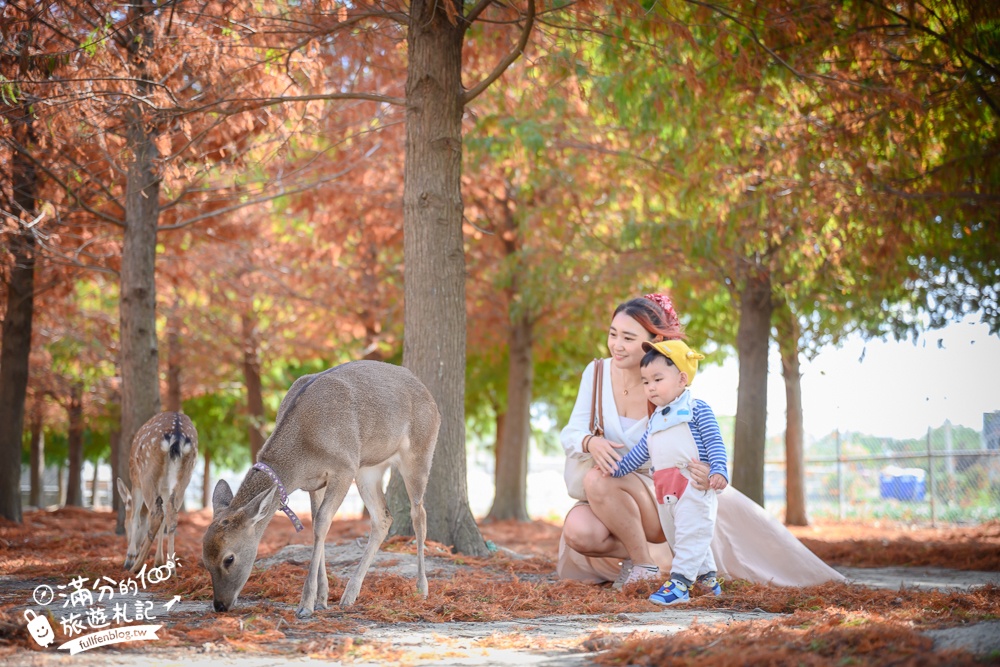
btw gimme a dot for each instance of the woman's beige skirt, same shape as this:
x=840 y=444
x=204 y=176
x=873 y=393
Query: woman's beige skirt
x=749 y=544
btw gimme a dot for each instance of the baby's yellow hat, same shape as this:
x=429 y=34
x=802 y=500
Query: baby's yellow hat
x=678 y=352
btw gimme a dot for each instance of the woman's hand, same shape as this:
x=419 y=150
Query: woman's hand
x=699 y=474
x=605 y=456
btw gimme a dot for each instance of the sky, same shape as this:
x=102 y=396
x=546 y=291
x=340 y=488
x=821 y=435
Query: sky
x=881 y=388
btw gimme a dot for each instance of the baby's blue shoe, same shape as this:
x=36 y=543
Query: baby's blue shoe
x=711 y=582
x=672 y=592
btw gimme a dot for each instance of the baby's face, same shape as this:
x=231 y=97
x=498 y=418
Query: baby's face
x=662 y=381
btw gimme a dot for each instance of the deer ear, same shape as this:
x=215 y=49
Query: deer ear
x=257 y=509
x=123 y=492
x=222 y=496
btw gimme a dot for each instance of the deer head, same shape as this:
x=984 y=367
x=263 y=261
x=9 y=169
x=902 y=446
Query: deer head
x=229 y=548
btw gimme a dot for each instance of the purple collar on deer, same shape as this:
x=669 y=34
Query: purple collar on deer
x=284 y=496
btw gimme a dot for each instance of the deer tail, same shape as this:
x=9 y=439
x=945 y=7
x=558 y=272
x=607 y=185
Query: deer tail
x=175 y=437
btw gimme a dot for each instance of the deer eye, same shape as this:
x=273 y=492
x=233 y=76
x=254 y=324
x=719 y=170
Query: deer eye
x=228 y=561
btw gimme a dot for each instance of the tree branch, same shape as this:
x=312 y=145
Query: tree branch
x=920 y=27
x=978 y=197
x=951 y=44
x=474 y=13
x=251 y=202
x=753 y=35
x=529 y=21
x=260 y=102
x=66 y=188
x=38 y=17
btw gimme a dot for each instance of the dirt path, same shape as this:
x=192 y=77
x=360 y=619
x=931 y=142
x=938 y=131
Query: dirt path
x=552 y=640
x=563 y=640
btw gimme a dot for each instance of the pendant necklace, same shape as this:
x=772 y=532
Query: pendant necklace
x=625 y=390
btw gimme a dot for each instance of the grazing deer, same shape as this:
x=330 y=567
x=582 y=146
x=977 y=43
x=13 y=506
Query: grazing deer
x=348 y=423
x=163 y=455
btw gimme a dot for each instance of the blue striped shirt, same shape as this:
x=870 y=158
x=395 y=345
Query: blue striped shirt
x=708 y=438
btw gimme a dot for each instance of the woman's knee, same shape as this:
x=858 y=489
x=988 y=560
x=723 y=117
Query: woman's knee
x=596 y=484
x=582 y=530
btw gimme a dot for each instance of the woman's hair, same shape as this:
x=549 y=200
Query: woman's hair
x=656 y=314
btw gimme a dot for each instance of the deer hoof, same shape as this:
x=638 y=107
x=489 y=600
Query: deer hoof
x=303 y=612
x=350 y=594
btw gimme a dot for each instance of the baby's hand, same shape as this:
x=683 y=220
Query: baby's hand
x=717 y=482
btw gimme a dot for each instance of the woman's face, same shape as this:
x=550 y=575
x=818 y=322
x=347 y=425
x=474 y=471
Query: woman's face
x=625 y=338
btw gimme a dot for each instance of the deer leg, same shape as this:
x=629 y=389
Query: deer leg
x=336 y=489
x=159 y=559
x=414 y=474
x=369 y=482
x=170 y=528
x=322 y=578
x=155 y=524
x=165 y=506
x=418 y=515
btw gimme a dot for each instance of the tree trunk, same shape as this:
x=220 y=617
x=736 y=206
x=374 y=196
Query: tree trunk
x=795 y=487
x=501 y=426
x=752 y=340
x=206 y=493
x=74 y=485
x=15 y=348
x=15 y=351
x=116 y=443
x=511 y=495
x=251 y=378
x=61 y=481
x=93 y=485
x=434 y=256
x=137 y=307
x=37 y=492
x=173 y=364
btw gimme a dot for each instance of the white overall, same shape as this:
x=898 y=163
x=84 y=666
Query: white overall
x=687 y=515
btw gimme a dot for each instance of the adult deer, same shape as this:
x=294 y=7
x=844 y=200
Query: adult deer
x=162 y=458
x=348 y=423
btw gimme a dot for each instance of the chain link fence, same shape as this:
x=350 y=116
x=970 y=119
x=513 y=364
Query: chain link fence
x=950 y=476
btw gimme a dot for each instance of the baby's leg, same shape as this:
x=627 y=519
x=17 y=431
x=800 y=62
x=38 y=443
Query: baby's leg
x=694 y=518
x=668 y=523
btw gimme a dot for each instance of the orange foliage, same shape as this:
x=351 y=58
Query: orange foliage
x=883 y=544
x=820 y=624
x=801 y=639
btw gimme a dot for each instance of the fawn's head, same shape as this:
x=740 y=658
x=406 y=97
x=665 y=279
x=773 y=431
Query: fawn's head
x=229 y=548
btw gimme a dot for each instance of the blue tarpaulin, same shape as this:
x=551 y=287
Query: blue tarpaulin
x=902 y=483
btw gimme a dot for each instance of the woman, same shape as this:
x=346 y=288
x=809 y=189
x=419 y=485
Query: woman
x=615 y=534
